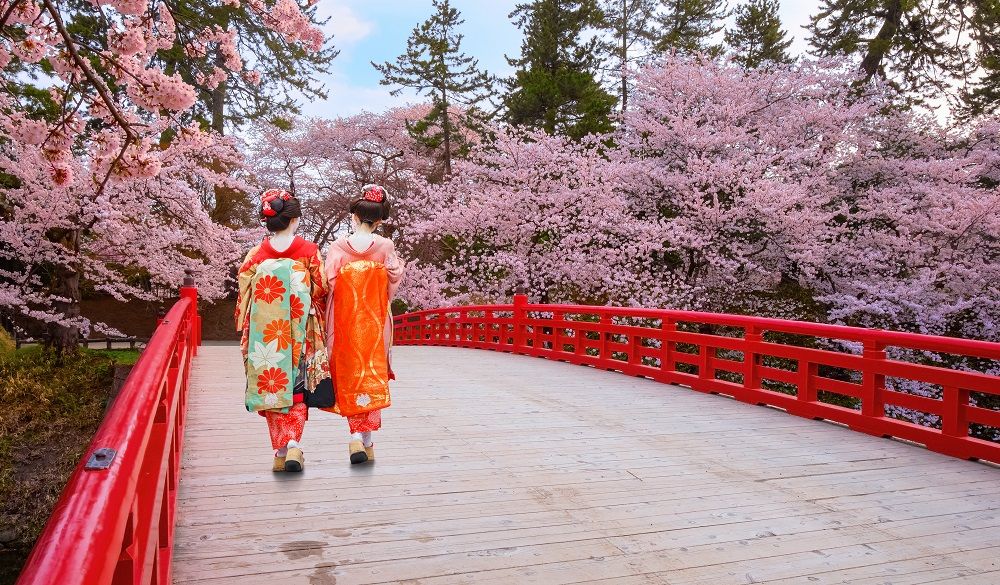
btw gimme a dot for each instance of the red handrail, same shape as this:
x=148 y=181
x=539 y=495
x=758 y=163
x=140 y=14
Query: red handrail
x=651 y=345
x=114 y=521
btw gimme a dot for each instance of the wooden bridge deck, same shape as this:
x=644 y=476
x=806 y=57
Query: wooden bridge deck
x=495 y=468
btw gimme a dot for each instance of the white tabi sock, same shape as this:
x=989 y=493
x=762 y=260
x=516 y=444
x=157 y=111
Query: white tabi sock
x=366 y=438
x=293 y=444
x=357 y=437
x=281 y=452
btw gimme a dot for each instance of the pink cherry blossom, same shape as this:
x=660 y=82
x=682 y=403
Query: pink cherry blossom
x=113 y=187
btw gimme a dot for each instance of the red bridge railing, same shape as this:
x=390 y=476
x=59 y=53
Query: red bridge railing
x=752 y=359
x=114 y=522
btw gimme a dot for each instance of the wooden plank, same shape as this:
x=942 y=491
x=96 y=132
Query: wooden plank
x=553 y=473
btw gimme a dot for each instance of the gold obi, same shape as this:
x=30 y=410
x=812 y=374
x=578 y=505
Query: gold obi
x=359 y=357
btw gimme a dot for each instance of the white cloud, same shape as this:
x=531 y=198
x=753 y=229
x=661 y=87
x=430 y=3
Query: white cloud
x=345 y=25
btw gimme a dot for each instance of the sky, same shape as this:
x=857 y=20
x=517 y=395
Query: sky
x=377 y=30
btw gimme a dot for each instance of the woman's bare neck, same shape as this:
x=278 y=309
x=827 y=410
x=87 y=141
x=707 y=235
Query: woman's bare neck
x=282 y=241
x=362 y=237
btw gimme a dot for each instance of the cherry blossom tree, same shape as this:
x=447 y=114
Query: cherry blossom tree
x=740 y=171
x=327 y=162
x=102 y=177
x=532 y=211
x=777 y=192
x=920 y=249
x=688 y=205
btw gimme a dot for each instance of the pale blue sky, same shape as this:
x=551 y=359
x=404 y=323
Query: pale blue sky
x=376 y=30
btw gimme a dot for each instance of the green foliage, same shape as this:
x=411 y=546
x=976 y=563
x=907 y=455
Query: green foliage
x=50 y=413
x=924 y=47
x=288 y=71
x=758 y=37
x=687 y=26
x=982 y=96
x=6 y=342
x=630 y=26
x=554 y=87
x=434 y=64
x=36 y=102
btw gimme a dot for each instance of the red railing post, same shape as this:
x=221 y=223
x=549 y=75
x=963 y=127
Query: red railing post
x=753 y=337
x=807 y=381
x=668 y=327
x=557 y=331
x=872 y=384
x=604 y=352
x=955 y=418
x=520 y=318
x=705 y=357
x=190 y=291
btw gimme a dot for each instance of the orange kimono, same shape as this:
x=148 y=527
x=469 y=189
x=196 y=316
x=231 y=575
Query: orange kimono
x=359 y=328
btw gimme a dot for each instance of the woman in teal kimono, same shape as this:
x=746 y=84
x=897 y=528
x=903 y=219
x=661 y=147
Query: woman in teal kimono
x=280 y=310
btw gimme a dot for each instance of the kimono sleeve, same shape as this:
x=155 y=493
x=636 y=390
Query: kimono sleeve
x=245 y=282
x=318 y=289
x=334 y=262
x=396 y=268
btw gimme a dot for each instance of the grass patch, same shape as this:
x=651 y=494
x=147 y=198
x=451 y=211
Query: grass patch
x=48 y=414
x=121 y=357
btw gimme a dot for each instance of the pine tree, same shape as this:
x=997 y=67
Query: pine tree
x=434 y=64
x=687 y=26
x=554 y=87
x=982 y=97
x=758 y=38
x=630 y=24
x=925 y=47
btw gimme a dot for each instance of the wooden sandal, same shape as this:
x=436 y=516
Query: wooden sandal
x=295 y=460
x=357 y=450
x=279 y=464
x=370 y=452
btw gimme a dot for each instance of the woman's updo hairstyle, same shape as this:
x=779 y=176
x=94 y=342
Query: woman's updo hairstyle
x=372 y=206
x=277 y=209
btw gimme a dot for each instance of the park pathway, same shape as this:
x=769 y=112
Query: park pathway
x=495 y=468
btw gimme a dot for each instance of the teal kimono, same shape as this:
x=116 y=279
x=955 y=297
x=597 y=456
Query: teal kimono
x=280 y=310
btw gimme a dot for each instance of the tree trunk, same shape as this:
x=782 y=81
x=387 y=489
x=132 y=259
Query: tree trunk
x=227 y=201
x=66 y=284
x=447 y=122
x=880 y=45
x=447 y=137
x=624 y=55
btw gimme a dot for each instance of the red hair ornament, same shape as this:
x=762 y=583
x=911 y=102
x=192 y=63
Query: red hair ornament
x=374 y=193
x=273 y=201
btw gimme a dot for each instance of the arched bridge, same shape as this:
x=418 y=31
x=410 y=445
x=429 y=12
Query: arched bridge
x=494 y=467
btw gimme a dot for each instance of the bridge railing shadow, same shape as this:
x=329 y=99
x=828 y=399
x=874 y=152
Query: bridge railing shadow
x=848 y=375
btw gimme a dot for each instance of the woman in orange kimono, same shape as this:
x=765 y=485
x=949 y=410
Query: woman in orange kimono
x=363 y=273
